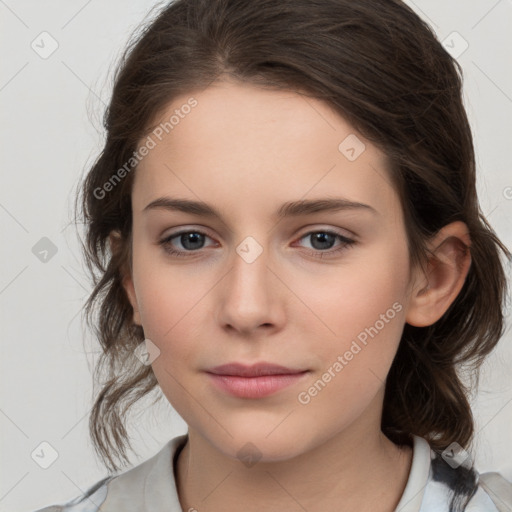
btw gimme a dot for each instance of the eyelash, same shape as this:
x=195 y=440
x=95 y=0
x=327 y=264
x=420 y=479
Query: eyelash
x=346 y=243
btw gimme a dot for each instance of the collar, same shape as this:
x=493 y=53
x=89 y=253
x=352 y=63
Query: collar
x=150 y=486
x=418 y=477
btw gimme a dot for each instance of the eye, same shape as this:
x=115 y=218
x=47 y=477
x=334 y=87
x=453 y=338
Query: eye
x=191 y=241
x=323 y=240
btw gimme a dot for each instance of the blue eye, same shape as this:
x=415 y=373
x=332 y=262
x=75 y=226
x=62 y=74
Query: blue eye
x=326 y=237
x=192 y=241
x=189 y=240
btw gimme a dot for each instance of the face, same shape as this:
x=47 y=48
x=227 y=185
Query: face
x=314 y=289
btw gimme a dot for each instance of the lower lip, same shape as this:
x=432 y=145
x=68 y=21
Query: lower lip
x=255 y=387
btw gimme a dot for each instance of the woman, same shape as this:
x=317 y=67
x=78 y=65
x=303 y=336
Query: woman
x=286 y=226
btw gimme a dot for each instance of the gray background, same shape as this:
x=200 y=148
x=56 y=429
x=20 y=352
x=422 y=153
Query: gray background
x=51 y=132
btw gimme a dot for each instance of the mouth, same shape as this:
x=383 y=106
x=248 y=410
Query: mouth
x=256 y=381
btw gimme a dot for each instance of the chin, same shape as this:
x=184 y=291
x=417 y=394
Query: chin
x=250 y=443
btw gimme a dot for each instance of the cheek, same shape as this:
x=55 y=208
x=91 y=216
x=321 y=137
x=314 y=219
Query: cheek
x=170 y=299
x=365 y=291
x=362 y=314
x=365 y=316
x=171 y=314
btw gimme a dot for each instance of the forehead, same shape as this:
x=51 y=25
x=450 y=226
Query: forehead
x=244 y=146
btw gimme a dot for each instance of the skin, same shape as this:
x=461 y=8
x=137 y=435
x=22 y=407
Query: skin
x=245 y=150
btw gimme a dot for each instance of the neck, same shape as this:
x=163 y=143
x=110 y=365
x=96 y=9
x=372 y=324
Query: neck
x=356 y=469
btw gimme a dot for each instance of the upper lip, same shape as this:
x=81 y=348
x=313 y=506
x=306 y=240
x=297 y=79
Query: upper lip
x=254 y=370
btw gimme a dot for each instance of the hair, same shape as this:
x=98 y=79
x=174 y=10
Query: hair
x=379 y=66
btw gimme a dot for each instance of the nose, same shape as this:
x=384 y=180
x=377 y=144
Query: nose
x=250 y=294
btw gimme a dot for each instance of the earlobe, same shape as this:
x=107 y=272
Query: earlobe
x=448 y=267
x=127 y=281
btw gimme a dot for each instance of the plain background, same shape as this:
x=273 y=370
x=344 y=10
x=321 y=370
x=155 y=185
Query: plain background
x=51 y=132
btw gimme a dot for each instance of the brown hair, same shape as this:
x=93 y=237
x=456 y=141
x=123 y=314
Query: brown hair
x=381 y=68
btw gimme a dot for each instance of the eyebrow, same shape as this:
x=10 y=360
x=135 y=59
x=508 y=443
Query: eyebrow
x=289 y=209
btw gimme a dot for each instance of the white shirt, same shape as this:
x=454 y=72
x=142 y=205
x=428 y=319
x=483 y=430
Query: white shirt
x=151 y=486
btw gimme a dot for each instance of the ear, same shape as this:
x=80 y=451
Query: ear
x=115 y=242
x=448 y=267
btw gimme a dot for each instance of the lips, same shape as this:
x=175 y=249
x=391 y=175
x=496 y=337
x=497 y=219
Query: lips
x=256 y=381
x=255 y=370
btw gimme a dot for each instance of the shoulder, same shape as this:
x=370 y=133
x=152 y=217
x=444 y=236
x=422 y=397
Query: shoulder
x=134 y=489
x=459 y=487
x=496 y=488
x=438 y=483
x=90 y=501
